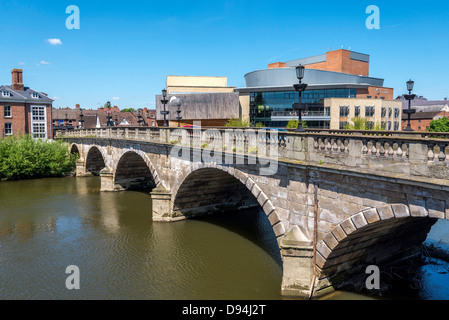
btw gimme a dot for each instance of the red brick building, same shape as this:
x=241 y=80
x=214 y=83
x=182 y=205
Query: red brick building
x=24 y=110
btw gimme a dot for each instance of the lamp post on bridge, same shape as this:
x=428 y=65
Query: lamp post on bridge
x=299 y=107
x=81 y=119
x=409 y=97
x=164 y=112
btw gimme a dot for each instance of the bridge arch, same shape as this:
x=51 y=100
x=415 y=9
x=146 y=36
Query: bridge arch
x=134 y=170
x=209 y=188
x=95 y=160
x=373 y=236
x=74 y=149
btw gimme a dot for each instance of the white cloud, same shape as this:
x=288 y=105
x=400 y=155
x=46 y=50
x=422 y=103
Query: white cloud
x=115 y=98
x=44 y=62
x=55 y=42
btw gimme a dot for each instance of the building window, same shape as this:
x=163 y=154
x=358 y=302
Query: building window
x=370 y=125
x=6 y=94
x=343 y=125
x=397 y=113
x=39 y=122
x=369 y=112
x=384 y=112
x=7 y=111
x=390 y=112
x=39 y=131
x=357 y=111
x=327 y=111
x=35 y=95
x=396 y=126
x=8 y=129
x=419 y=128
x=344 y=112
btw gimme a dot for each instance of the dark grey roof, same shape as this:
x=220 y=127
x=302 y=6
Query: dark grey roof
x=23 y=96
x=423 y=104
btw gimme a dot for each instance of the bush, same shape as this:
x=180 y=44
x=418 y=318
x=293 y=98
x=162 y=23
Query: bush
x=293 y=124
x=22 y=157
x=439 y=125
x=237 y=123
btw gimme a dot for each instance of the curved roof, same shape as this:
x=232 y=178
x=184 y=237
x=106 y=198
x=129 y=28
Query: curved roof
x=283 y=77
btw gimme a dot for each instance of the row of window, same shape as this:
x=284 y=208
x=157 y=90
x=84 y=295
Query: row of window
x=7 y=94
x=389 y=126
x=370 y=112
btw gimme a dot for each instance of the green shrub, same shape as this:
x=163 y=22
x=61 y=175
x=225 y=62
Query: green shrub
x=22 y=157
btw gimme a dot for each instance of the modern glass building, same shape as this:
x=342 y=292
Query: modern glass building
x=336 y=74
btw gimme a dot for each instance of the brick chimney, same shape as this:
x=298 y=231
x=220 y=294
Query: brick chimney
x=17 y=81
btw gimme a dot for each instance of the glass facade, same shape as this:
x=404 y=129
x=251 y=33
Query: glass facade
x=274 y=109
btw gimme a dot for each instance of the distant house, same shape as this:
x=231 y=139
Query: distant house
x=78 y=118
x=24 y=110
x=426 y=111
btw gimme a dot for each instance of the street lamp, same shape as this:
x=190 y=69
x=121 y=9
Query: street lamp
x=164 y=102
x=141 y=120
x=409 y=97
x=299 y=107
x=109 y=123
x=177 y=102
x=81 y=119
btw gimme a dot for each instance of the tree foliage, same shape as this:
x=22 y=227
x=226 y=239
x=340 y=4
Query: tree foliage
x=22 y=157
x=128 y=110
x=237 y=123
x=360 y=123
x=293 y=124
x=439 y=125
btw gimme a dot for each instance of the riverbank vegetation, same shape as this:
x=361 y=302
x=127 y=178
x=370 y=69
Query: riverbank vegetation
x=22 y=157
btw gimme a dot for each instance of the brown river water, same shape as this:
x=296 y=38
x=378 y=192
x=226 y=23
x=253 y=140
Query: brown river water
x=49 y=224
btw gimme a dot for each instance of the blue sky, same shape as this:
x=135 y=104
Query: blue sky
x=125 y=49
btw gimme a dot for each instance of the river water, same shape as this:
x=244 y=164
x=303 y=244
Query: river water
x=49 y=224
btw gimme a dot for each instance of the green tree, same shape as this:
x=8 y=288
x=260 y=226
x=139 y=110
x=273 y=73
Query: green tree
x=237 y=123
x=293 y=124
x=128 y=110
x=22 y=157
x=359 y=123
x=439 y=125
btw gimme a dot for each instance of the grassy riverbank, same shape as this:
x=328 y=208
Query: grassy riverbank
x=22 y=157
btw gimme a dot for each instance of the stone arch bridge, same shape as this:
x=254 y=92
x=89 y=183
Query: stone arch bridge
x=337 y=200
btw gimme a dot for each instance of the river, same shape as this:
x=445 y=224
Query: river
x=49 y=224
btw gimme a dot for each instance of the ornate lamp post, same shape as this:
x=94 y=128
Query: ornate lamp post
x=177 y=102
x=164 y=112
x=409 y=97
x=299 y=107
x=116 y=120
x=141 y=119
x=81 y=119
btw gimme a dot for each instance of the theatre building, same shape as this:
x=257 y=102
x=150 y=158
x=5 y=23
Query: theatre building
x=339 y=87
x=24 y=110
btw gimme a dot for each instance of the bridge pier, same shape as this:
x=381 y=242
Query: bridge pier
x=81 y=169
x=162 y=207
x=297 y=252
x=107 y=180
